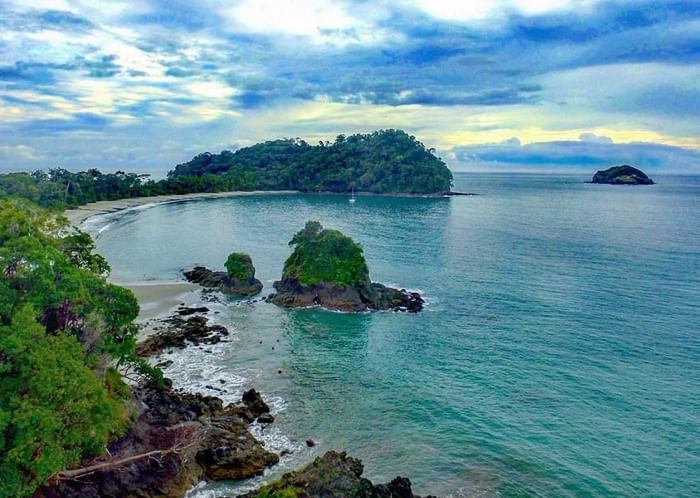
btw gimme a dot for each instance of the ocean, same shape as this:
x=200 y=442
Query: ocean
x=558 y=354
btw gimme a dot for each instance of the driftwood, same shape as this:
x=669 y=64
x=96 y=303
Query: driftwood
x=91 y=469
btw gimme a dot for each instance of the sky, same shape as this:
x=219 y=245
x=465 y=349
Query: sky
x=493 y=85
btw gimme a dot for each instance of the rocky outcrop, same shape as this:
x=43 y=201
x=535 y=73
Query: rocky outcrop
x=328 y=269
x=333 y=475
x=177 y=332
x=186 y=438
x=622 y=175
x=224 y=282
x=293 y=294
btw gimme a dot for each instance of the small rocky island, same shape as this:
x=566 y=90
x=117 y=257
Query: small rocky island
x=328 y=269
x=238 y=279
x=622 y=175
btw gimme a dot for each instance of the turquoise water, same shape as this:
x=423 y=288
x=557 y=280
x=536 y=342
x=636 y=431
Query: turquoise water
x=559 y=354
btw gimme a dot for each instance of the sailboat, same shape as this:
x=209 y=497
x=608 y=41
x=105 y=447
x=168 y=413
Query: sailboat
x=352 y=199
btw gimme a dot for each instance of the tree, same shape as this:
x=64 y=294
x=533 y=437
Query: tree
x=325 y=256
x=54 y=410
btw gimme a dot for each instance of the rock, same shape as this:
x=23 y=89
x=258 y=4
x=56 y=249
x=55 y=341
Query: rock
x=328 y=269
x=310 y=443
x=333 y=475
x=211 y=444
x=179 y=332
x=238 y=281
x=292 y=294
x=266 y=418
x=622 y=175
x=254 y=402
x=185 y=311
x=231 y=452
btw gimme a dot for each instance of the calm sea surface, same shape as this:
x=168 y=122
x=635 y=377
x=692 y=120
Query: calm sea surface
x=559 y=354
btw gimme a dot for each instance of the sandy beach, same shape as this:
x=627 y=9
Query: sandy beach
x=155 y=299
x=159 y=299
x=78 y=215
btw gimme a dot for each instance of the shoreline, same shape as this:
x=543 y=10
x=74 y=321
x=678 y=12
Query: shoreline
x=79 y=215
x=159 y=299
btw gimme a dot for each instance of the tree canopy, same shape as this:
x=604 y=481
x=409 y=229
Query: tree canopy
x=240 y=267
x=386 y=161
x=383 y=162
x=325 y=256
x=61 y=326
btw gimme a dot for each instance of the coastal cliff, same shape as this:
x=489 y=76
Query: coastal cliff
x=328 y=269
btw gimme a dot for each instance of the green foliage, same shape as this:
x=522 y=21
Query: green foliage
x=116 y=387
x=59 y=318
x=79 y=247
x=240 y=267
x=60 y=189
x=328 y=256
x=386 y=161
x=287 y=492
x=53 y=408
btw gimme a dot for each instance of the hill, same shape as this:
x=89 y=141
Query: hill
x=386 y=161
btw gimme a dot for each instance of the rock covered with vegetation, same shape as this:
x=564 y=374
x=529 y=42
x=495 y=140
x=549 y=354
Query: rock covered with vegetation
x=622 y=175
x=333 y=475
x=328 y=269
x=238 y=279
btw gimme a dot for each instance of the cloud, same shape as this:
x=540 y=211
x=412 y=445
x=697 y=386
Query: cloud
x=479 y=10
x=322 y=21
x=18 y=152
x=589 y=74
x=590 y=152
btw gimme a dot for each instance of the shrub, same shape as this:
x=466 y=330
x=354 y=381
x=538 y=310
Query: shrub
x=240 y=267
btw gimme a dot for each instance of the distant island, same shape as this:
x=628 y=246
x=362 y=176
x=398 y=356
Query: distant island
x=328 y=269
x=622 y=175
x=382 y=162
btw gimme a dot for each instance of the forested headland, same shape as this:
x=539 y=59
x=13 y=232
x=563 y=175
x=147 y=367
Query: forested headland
x=382 y=162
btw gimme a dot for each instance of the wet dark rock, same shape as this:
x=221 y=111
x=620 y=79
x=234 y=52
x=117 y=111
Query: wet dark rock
x=266 y=418
x=222 y=281
x=255 y=403
x=310 y=443
x=233 y=452
x=178 y=332
x=334 y=475
x=373 y=296
x=622 y=175
x=186 y=311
